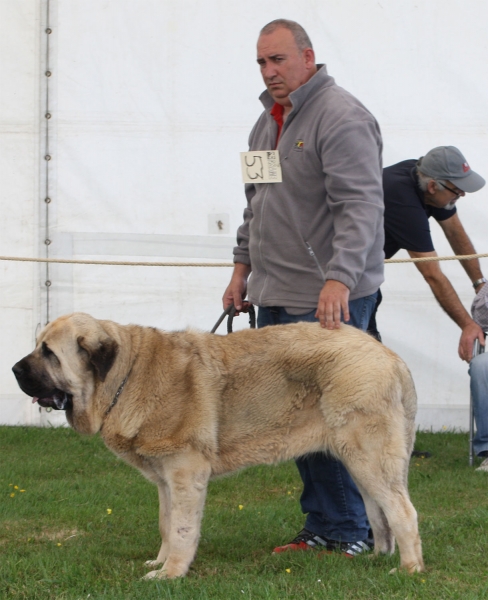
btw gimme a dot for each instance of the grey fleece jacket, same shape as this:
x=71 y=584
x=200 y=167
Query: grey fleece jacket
x=325 y=220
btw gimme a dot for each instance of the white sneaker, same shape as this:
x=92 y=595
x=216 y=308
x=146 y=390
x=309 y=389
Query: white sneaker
x=483 y=466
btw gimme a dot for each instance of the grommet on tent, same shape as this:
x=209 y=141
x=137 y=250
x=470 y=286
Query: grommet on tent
x=47 y=157
x=48 y=115
x=48 y=73
x=48 y=283
x=47 y=200
x=49 y=30
x=47 y=242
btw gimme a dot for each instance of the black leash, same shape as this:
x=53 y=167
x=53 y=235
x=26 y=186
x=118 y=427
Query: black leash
x=230 y=312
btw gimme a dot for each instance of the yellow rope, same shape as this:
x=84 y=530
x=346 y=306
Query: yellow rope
x=207 y=264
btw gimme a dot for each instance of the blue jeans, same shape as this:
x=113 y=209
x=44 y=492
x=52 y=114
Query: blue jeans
x=330 y=498
x=478 y=370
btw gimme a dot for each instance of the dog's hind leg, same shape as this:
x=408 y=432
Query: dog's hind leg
x=391 y=496
x=384 y=541
x=187 y=475
x=402 y=518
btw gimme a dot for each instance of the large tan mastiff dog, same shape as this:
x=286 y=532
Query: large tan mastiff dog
x=183 y=407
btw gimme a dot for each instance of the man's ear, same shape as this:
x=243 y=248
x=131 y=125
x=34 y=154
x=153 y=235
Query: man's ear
x=432 y=187
x=102 y=353
x=309 y=56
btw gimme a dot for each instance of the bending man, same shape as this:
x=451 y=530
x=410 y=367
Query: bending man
x=416 y=190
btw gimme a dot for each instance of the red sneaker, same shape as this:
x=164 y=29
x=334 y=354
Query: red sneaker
x=305 y=540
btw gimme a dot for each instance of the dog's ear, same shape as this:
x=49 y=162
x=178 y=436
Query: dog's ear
x=102 y=353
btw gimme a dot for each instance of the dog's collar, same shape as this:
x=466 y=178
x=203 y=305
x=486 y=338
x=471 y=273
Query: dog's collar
x=117 y=394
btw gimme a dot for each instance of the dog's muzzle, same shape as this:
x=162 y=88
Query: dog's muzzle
x=41 y=392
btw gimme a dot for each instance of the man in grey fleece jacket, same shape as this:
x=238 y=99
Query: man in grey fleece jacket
x=314 y=242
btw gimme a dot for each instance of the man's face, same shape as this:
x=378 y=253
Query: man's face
x=283 y=66
x=446 y=197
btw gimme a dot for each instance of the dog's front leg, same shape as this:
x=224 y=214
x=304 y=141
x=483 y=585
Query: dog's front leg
x=187 y=477
x=164 y=523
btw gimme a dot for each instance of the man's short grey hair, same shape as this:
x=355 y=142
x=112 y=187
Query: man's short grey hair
x=424 y=181
x=299 y=34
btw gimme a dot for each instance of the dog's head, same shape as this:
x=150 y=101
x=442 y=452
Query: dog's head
x=72 y=355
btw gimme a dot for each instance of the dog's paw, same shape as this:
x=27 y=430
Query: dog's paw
x=416 y=568
x=158 y=574
x=412 y=568
x=165 y=573
x=152 y=563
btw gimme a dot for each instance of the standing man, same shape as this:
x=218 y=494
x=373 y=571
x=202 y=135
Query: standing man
x=314 y=242
x=416 y=190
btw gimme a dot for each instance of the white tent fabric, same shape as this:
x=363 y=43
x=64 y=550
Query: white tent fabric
x=150 y=104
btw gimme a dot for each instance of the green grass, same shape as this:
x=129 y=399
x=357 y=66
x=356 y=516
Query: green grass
x=58 y=541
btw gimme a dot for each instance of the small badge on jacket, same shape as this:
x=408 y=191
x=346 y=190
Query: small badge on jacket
x=298 y=147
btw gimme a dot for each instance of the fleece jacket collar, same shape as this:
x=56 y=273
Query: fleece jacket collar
x=300 y=95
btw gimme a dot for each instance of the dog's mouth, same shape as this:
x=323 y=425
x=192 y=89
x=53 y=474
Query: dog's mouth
x=58 y=400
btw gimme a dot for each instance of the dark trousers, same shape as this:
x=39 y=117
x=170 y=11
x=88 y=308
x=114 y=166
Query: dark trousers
x=372 y=326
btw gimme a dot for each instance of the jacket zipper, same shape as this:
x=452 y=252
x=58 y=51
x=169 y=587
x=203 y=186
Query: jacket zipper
x=313 y=255
x=260 y=244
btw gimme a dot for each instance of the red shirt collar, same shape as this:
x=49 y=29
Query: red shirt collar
x=277 y=114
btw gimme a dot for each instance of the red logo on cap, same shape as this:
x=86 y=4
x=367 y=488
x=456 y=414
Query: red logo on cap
x=465 y=167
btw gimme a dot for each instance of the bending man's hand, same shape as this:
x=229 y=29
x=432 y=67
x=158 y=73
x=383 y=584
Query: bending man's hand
x=471 y=332
x=237 y=288
x=333 y=299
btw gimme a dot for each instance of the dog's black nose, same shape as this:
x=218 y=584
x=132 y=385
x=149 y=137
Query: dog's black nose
x=20 y=368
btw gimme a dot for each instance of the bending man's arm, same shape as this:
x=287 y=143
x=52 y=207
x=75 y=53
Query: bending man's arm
x=450 y=302
x=461 y=244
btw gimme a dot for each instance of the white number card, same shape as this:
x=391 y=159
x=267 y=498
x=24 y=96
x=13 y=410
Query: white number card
x=261 y=166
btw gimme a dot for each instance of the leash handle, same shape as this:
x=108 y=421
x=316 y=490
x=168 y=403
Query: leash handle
x=249 y=309
x=230 y=312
